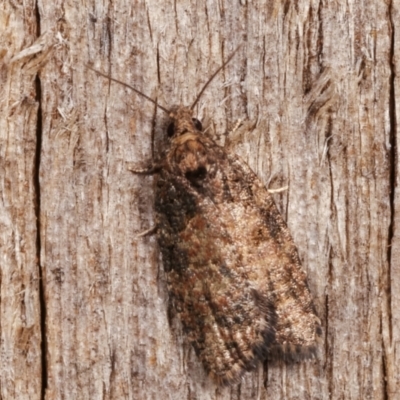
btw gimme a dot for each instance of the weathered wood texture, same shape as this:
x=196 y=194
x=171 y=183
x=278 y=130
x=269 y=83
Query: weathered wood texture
x=20 y=314
x=317 y=85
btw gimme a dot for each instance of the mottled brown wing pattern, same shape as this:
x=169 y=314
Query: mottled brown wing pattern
x=220 y=311
x=297 y=329
x=233 y=272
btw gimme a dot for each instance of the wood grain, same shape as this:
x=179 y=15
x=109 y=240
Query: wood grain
x=21 y=361
x=316 y=86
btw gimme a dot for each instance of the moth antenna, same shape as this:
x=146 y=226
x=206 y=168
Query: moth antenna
x=129 y=87
x=214 y=75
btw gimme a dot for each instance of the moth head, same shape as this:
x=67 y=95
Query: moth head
x=182 y=121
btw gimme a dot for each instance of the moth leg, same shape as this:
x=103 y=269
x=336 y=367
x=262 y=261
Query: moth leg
x=150 y=170
x=236 y=135
x=236 y=127
x=147 y=232
x=278 y=190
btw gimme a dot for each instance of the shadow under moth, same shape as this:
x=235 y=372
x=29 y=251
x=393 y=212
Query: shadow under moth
x=233 y=272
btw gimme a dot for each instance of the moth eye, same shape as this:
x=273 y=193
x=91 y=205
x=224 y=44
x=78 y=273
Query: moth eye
x=171 y=129
x=197 y=124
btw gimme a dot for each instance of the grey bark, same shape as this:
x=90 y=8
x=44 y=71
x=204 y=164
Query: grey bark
x=83 y=300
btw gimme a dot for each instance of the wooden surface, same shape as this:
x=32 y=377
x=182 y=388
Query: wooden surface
x=84 y=304
x=21 y=361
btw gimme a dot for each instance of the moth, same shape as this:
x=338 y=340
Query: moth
x=233 y=271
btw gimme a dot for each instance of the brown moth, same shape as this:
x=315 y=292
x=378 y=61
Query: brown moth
x=233 y=272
